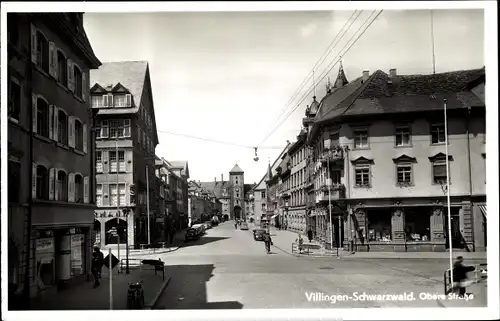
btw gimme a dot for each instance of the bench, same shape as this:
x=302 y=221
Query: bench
x=158 y=266
x=306 y=247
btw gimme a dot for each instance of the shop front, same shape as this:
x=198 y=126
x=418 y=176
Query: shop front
x=62 y=257
x=410 y=228
x=120 y=220
x=298 y=219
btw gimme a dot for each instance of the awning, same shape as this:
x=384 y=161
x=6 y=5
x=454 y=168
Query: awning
x=483 y=210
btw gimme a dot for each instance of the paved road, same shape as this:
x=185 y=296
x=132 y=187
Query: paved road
x=227 y=269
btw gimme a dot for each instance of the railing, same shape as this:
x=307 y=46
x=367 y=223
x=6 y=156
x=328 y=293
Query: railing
x=336 y=194
x=332 y=155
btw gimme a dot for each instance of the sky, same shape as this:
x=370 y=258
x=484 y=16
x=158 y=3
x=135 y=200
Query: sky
x=227 y=76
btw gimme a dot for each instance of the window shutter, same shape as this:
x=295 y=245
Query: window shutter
x=56 y=185
x=71 y=131
x=127 y=194
x=128 y=161
x=33 y=181
x=33 y=44
x=51 y=121
x=85 y=137
x=105 y=129
x=52 y=182
x=34 y=112
x=84 y=86
x=86 y=189
x=71 y=76
x=52 y=53
x=56 y=124
x=128 y=97
x=71 y=187
x=126 y=127
x=105 y=161
x=110 y=100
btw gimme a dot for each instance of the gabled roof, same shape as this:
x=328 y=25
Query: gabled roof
x=182 y=165
x=130 y=74
x=215 y=187
x=383 y=94
x=236 y=170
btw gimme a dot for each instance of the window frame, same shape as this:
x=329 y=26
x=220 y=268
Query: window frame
x=18 y=164
x=81 y=188
x=99 y=161
x=439 y=162
x=42 y=62
x=438 y=125
x=63 y=187
x=78 y=87
x=99 y=192
x=101 y=100
x=404 y=164
x=46 y=126
x=356 y=132
x=399 y=127
x=363 y=166
x=60 y=133
x=45 y=187
x=78 y=134
x=14 y=80
x=65 y=66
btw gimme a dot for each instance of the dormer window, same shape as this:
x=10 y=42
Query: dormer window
x=120 y=101
x=97 y=101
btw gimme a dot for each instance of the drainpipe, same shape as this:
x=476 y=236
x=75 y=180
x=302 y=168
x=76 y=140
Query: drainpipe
x=470 y=171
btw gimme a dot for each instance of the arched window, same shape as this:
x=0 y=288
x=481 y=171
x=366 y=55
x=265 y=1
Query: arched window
x=78 y=135
x=42 y=117
x=78 y=188
x=78 y=80
x=62 y=136
x=42 y=182
x=62 y=186
x=42 y=51
x=62 y=65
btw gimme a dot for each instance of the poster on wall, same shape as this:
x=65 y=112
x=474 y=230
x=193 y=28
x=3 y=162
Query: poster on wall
x=76 y=254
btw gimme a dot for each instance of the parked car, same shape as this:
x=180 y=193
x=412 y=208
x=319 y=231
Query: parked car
x=258 y=234
x=244 y=226
x=192 y=233
x=207 y=225
x=200 y=227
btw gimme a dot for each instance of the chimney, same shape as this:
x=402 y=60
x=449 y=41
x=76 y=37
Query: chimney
x=366 y=74
x=222 y=178
x=393 y=72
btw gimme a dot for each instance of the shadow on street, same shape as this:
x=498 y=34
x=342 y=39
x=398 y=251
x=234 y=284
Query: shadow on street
x=188 y=290
x=204 y=240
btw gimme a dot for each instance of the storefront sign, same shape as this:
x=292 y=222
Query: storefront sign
x=109 y=213
x=45 y=245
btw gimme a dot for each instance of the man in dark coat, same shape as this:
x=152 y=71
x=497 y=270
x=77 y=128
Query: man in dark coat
x=460 y=275
x=310 y=235
x=97 y=263
x=267 y=242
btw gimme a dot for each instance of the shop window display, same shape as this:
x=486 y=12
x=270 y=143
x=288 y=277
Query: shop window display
x=77 y=254
x=45 y=267
x=417 y=225
x=379 y=226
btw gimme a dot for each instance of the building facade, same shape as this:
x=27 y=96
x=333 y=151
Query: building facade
x=180 y=171
x=272 y=192
x=237 y=193
x=380 y=165
x=259 y=200
x=126 y=139
x=50 y=153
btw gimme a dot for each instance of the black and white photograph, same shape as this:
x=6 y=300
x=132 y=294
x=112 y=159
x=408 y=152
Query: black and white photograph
x=297 y=160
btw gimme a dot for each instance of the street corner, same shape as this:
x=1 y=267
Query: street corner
x=151 y=304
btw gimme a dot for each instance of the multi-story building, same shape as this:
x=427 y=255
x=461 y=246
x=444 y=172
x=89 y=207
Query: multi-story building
x=50 y=152
x=180 y=171
x=221 y=191
x=259 y=200
x=379 y=148
x=126 y=139
x=249 y=201
x=297 y=184
x=273 y=186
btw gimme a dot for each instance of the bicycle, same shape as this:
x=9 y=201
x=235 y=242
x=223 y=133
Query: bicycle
x=135 y=296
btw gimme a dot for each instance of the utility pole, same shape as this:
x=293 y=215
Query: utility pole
x=118 y=193
x=147 y=203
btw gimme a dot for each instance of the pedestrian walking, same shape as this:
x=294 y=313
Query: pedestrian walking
x=235 y=225
x=460 y=276
x=300 y=241
x=268 y=242
x=310 y=235
x=97 y=263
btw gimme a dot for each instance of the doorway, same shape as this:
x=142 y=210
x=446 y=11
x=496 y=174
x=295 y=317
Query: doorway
x=121 y=228
x=338 y=231
x=457 y=241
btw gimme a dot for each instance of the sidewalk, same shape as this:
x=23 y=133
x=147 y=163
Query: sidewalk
x=179 y=238
x=283 y=240
x=85 y=297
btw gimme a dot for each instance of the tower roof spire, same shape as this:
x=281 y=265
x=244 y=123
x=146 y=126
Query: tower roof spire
x=341 y=78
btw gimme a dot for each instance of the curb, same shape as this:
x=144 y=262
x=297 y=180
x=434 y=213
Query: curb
x=155 y=299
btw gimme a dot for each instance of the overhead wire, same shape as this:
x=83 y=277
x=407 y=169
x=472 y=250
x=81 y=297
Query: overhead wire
x=216 y=141
x=304 y=96
x=322 y=58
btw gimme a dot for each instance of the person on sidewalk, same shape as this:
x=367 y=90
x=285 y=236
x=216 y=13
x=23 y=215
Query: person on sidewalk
x=268 y=242
x=97 y=263
x=460 y=276
x=310 y=235
x=300 y=241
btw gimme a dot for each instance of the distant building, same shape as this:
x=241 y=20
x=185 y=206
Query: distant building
x=179 y=185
